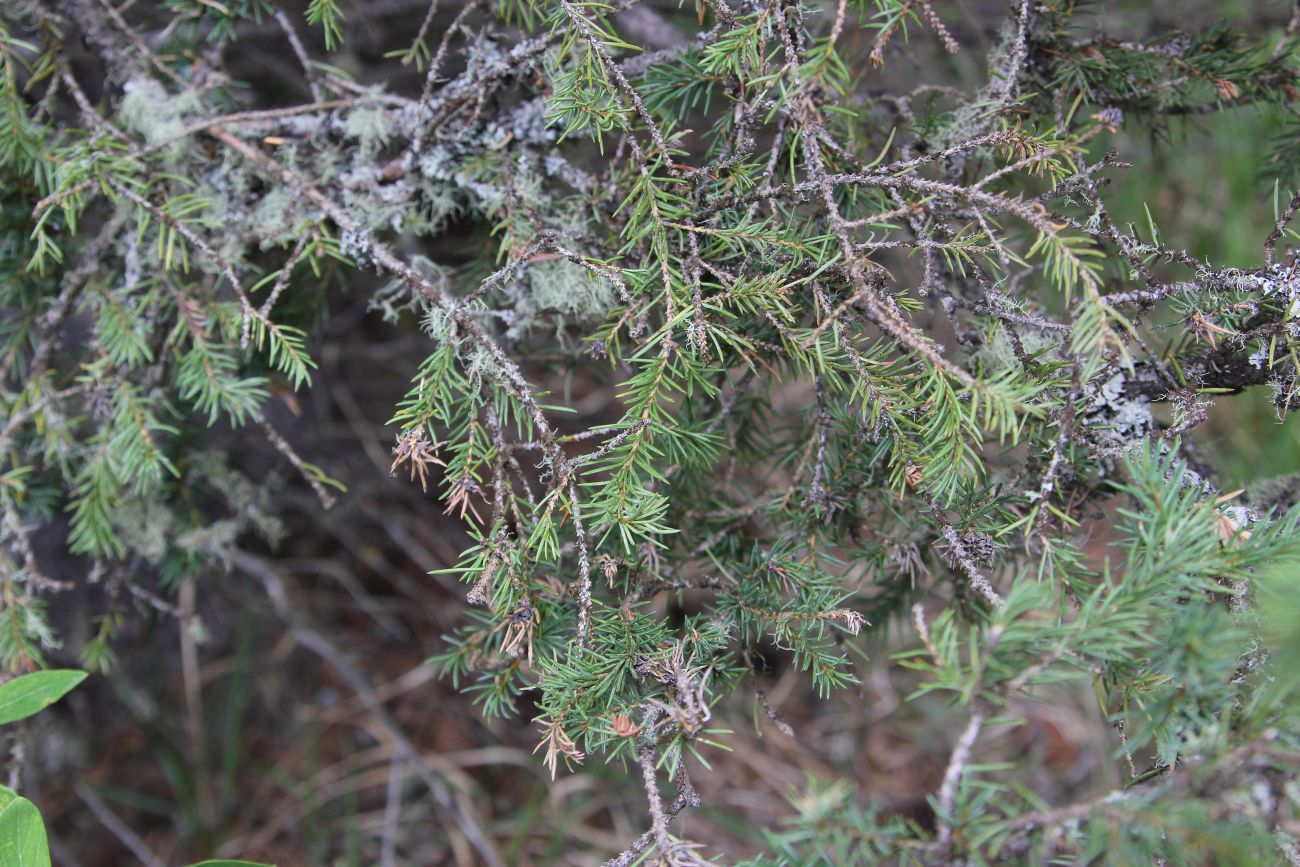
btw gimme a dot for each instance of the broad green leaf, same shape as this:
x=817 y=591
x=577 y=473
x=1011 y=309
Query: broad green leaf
x=26 y=695
x=22 y=833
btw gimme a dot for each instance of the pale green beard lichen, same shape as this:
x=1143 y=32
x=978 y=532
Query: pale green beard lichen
x=396 y=297
x=147 y=526
x=272 y=216
x=559 y=286
x=998 y=353
x=370 y=126
x=250 y=502
x=149 y=109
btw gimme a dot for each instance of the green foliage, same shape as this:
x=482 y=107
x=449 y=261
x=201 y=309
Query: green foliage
x=329 y=15
x=828 y=830
x=890 y=387
x=22 y=832
x=31 y=693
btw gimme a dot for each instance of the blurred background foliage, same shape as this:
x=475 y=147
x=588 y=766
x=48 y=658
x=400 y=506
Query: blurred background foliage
x=1205 y=181
x=1212 y=182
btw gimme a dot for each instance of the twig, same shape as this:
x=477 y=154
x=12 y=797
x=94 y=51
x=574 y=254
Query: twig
x=392 y=815
x=119 y=829
x=957 y=762
x=299 y=51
